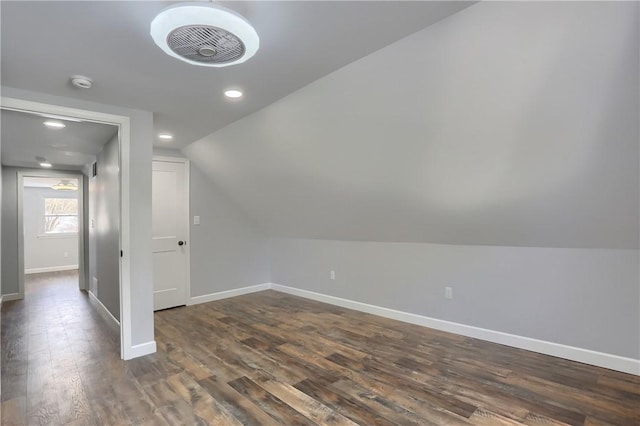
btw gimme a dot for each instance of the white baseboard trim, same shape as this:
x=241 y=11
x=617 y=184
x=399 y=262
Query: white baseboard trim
x=142 y=349
x=50 y=269
x=104 y=312
x=600 y=359
x=228 y=293
x=11 y=296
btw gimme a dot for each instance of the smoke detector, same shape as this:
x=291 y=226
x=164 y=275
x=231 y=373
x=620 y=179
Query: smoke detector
x=204 y=34
x=81 y=81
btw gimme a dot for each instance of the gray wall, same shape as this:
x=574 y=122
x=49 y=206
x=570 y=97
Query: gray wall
x=139 y=169
x=47 y=252
x=585 y=298
x=227 y=251
x=1 y=210
x=86 y=224
x=104 y=229
x=9 y=230
x=90 y=234
x=507 y=123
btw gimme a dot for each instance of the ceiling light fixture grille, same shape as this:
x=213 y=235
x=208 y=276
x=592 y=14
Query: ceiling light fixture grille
x=205 y=34
x=204 y=43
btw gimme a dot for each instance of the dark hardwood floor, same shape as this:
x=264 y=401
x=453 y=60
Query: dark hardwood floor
x=273 y=359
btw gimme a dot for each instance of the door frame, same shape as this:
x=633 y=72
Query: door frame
x=187 y=216
x=81 y=231
x=127 y=351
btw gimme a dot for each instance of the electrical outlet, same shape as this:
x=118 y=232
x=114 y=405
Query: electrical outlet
x=448 y=293
x=196 y=220
x=66 y=254
x=332 y=275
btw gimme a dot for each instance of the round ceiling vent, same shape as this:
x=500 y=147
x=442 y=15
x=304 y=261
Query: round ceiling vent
x=204 y=34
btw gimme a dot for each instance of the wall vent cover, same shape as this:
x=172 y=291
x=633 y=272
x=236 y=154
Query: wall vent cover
x=204 y=43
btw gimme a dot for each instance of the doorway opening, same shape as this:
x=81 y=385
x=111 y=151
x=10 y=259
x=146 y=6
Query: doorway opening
x=62 y=154
x=51 y=225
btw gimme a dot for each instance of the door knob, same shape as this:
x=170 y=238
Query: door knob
x=181 y=243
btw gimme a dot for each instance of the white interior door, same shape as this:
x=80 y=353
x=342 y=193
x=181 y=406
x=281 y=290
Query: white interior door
x=170 y=202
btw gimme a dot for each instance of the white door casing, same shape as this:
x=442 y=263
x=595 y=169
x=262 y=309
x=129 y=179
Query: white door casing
x=170 y=223
x=127 y=350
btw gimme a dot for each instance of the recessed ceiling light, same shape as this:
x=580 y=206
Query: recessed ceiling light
x=204 y=34
x=233 y=94
x=55 y=124
x=165 y=136
x=45 y=164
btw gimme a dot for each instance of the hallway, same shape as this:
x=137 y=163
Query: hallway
x=55 y=349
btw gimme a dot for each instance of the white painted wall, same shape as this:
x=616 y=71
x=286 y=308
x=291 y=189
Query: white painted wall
x=584 y=298
x=45 y=253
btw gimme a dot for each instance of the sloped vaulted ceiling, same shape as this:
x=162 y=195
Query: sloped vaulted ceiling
x=508 y=123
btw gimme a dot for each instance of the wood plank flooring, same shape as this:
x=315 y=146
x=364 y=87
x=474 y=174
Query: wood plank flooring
x=273 y=359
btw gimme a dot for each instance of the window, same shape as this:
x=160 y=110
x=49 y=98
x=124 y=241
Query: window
x=60 y=216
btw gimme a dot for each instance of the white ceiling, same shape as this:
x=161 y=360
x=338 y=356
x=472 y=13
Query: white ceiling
x=25 y=137
x=44 y=43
